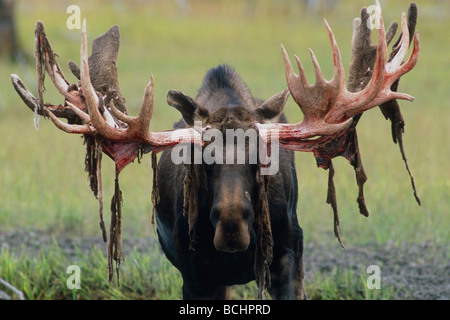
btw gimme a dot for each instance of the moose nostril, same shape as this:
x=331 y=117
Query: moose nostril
x=231 y=237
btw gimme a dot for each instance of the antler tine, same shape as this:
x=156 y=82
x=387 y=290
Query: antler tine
x=395 y=66
x=410 y=64
x=292 y=78
x=339 y=73
x=317 y=70
x=50 y=64
x=404 y=46
x=301 y=71
x=90 y=96
x=83 y=115
x=146 y=112
x=69 y=128
x=120 y=115
x=45 y=58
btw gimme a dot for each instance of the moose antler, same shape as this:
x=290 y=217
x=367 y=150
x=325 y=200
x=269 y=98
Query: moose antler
x=122 y=136
x=109 y=130
x=327 y=106
x=332 y=110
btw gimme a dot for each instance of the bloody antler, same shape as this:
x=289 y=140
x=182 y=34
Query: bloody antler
x=107 y=130
x=327 y=106
x=123 y=136
x=332 y=110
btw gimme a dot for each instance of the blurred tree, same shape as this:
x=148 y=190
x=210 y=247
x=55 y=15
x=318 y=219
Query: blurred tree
x=317 y=6
x=9 y=44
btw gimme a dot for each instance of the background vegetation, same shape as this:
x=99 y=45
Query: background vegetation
x=42 y=181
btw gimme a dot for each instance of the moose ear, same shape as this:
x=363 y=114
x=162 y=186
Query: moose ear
x=271 y=109
x=188 y=108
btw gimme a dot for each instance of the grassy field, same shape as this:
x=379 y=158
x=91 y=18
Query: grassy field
x=42 y=179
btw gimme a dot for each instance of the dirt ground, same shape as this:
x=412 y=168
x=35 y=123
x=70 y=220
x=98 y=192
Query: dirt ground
x=418 y=271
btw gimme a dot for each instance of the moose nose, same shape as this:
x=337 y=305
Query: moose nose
x=232 y=226
x=231 y=237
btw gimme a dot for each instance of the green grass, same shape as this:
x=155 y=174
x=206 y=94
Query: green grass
x=144 y=275
x=344 y=284
x=43 y=184
x=45 y=276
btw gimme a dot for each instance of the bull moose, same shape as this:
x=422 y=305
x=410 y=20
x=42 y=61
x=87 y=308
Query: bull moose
x=225 y=222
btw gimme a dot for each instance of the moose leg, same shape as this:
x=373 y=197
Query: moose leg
x=223 y=292
x=282 y=273
x=299 y=272
x=299 y=286
x=288 y=280
x=205 y=291
x=287 y=269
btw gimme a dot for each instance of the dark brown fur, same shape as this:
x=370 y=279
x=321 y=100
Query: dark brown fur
x=217 y=248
